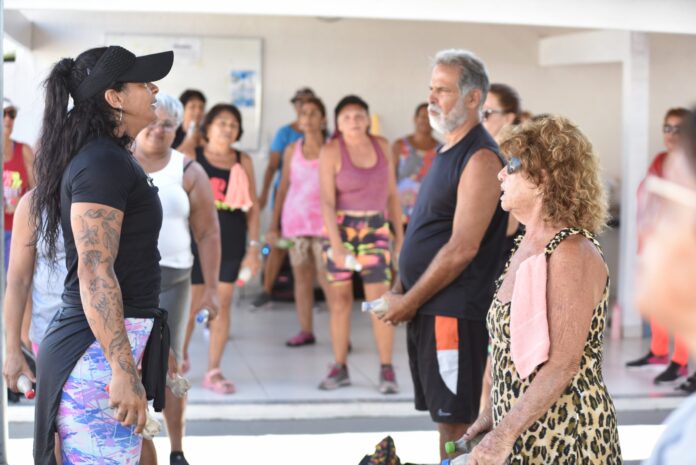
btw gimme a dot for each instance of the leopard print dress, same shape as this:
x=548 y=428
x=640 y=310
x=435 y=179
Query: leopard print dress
x=580 y=427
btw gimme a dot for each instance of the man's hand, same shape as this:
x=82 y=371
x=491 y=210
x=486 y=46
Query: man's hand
x=400 y=309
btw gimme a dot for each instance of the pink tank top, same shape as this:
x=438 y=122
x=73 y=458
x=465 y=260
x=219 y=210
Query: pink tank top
x=301 y=214
x=362 y=189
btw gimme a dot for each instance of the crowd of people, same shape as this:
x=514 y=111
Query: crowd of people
x=138 y=217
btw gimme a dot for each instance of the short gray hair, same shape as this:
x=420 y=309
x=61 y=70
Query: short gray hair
x=472 y=71
x=172 y=106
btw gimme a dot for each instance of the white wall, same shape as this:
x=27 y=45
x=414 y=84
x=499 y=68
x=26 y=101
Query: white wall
x=386 y=62
x=673 y=84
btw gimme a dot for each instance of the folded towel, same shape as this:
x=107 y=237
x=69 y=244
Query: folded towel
x=237 y=196
x=529 y=326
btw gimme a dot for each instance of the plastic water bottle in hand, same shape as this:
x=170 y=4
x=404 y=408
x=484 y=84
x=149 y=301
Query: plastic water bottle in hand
x=152 y=427
x=461 y=460
x=244 y=276
x=351 y=263
x=26 y=387
x=462 y=445
x=178 y=385
x=203 y=316
x=378 y=306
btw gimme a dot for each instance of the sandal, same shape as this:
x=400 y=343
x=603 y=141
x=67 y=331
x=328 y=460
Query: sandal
x=219 y=386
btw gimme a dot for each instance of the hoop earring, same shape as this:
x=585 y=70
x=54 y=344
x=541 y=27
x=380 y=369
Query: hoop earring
x=120 y=114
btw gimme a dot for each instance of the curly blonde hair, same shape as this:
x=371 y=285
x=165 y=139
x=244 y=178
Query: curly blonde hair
x=557 y=157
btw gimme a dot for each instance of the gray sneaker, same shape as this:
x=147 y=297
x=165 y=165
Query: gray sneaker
x=387 y=380
x=337 y=377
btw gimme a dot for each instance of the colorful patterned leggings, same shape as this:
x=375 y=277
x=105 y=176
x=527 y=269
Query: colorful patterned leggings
x=86 y=425
x=366 y=237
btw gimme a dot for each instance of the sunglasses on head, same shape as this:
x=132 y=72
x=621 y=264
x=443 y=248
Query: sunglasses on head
x=514 y=165
x=9 y=112
x=488 y=112
x=669 y=129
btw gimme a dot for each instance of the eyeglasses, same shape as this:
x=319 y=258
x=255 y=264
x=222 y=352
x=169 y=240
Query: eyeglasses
x=9 y=112
x=514 y=165
x=166 y=125
x=488 y=112
x=669 y=129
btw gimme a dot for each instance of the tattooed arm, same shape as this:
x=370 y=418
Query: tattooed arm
x=97 y=230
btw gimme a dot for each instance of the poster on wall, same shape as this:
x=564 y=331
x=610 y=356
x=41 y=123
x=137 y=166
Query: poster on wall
x=225 y=69
x=243 y=88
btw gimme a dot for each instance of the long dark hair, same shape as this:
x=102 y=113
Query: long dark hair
x=63 y=133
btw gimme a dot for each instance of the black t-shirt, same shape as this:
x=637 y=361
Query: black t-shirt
x=430 y=228
x=104 y=173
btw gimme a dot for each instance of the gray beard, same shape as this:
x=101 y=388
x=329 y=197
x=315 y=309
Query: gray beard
x=445 y=124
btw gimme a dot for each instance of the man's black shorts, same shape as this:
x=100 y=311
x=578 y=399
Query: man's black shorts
x=447 y=357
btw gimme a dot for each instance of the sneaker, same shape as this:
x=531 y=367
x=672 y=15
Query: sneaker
x=177 y=458
x=650 y=359
x=302 y=338
x=387 y=380
x=337 y=377
x=671 y=373
x=261 y=300
x=688 y=386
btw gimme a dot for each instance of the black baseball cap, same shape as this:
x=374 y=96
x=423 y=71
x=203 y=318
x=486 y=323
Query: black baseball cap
x=120 y=65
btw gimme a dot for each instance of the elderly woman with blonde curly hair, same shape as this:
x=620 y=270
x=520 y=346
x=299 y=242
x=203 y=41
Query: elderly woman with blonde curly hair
x=548 y=401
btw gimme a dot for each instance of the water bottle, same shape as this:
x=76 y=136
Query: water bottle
x=202 y=316
x=284 y=243
x=462 y=445
x=178 y=385
x=378 y=306
x=461 y=460
x=152 y=427
x=244 y=276
x=351 y=263
x=26 y=387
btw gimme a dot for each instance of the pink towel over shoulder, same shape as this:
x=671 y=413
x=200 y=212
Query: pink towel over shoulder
x=529 y=326
x=237 y=196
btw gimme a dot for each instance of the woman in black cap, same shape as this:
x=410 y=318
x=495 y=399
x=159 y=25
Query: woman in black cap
x=89 y=389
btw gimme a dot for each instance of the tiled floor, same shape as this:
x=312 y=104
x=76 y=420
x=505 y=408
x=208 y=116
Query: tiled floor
x=266 y=371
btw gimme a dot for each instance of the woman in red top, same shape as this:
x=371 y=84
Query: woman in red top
x=17 y=179
x=17 y=173
x=659 y=344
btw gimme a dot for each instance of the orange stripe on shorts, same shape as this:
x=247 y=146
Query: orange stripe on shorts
x=446 y=333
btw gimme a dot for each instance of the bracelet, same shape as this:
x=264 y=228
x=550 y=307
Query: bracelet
x=254 y=243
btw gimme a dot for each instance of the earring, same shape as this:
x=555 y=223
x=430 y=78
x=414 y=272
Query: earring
x=120 y=114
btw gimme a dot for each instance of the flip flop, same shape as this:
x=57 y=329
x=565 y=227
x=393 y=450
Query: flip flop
x=221 y=385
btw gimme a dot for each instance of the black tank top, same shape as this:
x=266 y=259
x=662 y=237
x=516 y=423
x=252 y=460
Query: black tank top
x=233 y=225
x=430 y=228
